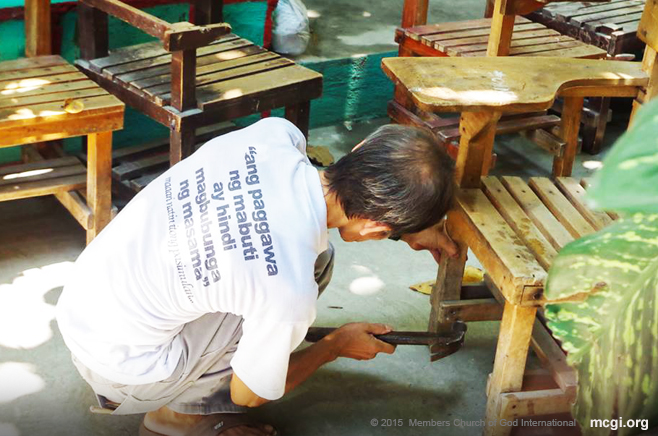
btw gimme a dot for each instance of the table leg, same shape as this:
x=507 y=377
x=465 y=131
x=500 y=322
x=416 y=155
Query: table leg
x=99 y=181
x=509 y=365
x=299 y=114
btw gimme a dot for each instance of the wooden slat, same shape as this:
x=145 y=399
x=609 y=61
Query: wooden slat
x=42 y=174
x=59 y=97
x=37 y=72
x=499 y=246
x=516 y=44
x=51 y=111
x=202 y=61
x=42 y=187
x=204 y=71
x=563 y=210
x=9 y=97
x=30 y=63
x=144 y=56
x=14 y=86
x=595 y=9
x=484 y=31
x=550 y=227
x=444 y=45
x=51 y=163
x=231 y=74
x=128 y=170
x=608 y=16
x=519 y=221
x=576 y=195
x=417 y=31
x=216 y=93
x=128 y=54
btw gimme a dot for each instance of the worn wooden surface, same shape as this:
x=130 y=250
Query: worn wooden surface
x=508 y=84
x=99 y=181
x=475 y=147
x=46 y=98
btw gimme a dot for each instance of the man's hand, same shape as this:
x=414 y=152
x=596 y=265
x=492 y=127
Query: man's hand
x=356 y=341
x=435 y=239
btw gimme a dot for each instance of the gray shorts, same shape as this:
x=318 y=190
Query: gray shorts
x=200 y=383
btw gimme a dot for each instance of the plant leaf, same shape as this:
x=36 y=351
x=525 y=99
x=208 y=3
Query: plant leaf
x=611 y=337
x=628 y=181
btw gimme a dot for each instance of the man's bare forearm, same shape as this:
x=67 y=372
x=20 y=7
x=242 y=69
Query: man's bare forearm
x=304 y=363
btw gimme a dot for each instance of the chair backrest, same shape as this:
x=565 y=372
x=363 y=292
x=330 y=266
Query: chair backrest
x=647 y=31
x=38 y=39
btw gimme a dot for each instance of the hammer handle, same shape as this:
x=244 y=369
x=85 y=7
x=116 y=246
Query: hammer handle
x=394 y=338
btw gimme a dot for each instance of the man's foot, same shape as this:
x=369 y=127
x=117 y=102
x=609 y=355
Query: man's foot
x=166 y=422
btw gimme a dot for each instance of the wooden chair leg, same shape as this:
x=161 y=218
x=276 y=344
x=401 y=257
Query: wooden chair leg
x=509 y=366
x=181 y=144
x=99 y=181
x=592 y=134
x=571 y=112
x=299 y=114
x=448 y=283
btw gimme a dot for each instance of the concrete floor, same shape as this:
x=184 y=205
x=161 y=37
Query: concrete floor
x=42 y=394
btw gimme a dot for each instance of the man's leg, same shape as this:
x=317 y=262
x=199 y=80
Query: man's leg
x=324 y=268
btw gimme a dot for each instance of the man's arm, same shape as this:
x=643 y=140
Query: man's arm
x=354 y=340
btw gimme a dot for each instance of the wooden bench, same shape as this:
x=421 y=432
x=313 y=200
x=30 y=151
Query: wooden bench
x=505 y=33
x=514 y=228
x=43 y=98
x=611 y=27
x=195 y=75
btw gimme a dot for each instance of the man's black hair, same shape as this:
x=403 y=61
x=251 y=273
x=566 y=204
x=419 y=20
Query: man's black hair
x=399 y=176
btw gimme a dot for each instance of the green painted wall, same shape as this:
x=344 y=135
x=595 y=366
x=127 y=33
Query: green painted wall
x=355 y=88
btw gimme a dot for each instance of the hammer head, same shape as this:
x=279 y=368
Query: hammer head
x=445 y=345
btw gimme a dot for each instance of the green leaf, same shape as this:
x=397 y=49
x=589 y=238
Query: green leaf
x=612 y=337
x=628 y=181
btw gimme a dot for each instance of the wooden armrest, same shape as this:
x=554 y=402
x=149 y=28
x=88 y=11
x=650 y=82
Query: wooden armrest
x=183 y=36
x=177 y=36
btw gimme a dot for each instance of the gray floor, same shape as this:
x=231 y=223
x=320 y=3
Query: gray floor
x=41 y=394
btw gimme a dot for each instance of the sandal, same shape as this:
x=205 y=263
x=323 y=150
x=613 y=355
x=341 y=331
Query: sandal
x=212 y=425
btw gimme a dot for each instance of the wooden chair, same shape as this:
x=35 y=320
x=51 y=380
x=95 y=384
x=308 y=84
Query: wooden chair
x=505 y=33
x=610 y=26
x=195 y=75
x=515 y=228
x=43 y=98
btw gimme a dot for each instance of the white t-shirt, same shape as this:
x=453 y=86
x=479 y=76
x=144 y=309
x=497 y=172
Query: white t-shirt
x=235 y=228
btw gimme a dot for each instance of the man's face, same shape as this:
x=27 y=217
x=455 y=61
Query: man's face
x=361 y=229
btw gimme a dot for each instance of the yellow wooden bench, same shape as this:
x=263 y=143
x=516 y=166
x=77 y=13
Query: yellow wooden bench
x=43 y=98
x=515 y=228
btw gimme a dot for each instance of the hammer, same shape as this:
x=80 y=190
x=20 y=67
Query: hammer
x=441 y=344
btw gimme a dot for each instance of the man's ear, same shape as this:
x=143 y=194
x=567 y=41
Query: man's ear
x=370 y=227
